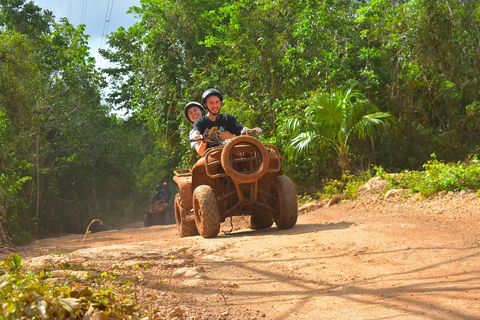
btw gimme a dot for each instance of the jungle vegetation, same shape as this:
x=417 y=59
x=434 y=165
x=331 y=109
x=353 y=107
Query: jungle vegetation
x=399 y=78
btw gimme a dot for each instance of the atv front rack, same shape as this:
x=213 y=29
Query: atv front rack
x=213 y=163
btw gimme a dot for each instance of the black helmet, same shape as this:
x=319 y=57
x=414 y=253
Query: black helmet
x=193 y=104
x=208 y=93
x=158 y=187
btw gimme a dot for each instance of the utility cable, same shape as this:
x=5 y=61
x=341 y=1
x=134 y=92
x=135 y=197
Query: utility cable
x=106 y=24
x=69 y=11
x=84 y=12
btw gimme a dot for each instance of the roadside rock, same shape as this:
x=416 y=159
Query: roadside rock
x=373 y=186
x=396 y=193
x=309 y=206
x=336 y=199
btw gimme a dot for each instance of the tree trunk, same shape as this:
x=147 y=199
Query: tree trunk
x=344 y=159
x=3 y=236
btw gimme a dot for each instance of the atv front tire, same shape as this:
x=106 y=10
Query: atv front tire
x=205 y=209
x=287 y=206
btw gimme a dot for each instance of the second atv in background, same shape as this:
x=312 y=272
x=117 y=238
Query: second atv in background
x=160 y=211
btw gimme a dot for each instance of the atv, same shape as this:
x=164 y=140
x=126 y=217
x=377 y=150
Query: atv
x=158 y=213
x=242 y=177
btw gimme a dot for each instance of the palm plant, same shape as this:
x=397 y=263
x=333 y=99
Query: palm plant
x=330 y=120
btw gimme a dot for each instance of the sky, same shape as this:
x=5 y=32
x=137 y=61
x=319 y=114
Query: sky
x=100 y=17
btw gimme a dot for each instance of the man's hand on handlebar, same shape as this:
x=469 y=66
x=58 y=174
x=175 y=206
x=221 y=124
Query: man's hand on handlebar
x=252 y=132
x=225 y=135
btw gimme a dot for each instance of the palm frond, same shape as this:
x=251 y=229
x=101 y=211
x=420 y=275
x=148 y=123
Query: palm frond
x=293 y=123
x=302 y=142
x=306 y=143
x=328 y=111
x=300 y=145
x=366 y=126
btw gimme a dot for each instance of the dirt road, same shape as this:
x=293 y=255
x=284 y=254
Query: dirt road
x=366 y=259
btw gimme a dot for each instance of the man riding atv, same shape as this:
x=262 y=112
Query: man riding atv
x=237 y=176
x=225 y=124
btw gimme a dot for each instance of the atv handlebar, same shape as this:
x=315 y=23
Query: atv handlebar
x=215 y=135
x=251 y=132
x=207 y=136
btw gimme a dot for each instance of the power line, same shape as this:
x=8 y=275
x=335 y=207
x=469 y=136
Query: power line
x=81 y=12
x=69 y=11
x=109 y=17
x=84 y=12
x=106 y=24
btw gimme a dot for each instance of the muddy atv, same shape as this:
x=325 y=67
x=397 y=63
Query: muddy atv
x=159 y=213
x=240 y=178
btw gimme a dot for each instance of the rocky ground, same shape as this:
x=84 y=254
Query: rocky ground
x=395 y=257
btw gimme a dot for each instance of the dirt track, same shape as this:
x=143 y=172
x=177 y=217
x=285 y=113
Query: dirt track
x=366 y=259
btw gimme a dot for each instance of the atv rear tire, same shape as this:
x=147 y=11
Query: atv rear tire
x=229 y=158
x=286 y=215
x=205 y=209
x=260 y=220
x=186 y=227
x=170 y=215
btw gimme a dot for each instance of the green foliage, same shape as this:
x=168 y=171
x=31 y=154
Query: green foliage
x=417 y=61
x=263 y=55
x=74 y=160
x=432 y=51
x=347 y=185
x=437 y=176
x=10 y=201
x=14 y=178
x=162 y=58
x=158 y=167
x=11 y=185
x=308 y=197
x=25 y=17
x=329 y=120
x=28 y=294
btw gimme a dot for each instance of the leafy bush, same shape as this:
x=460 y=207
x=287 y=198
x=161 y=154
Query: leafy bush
x=12 y=205
x=28 y=295
x=348 y=185
x=437 y=176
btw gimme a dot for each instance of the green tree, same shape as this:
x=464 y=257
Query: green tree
x=11 y=170
x=250 y=68
x=162 y=60
x=25 y=17
x=20 y=77
x=68 y=159
x=429 y=59
x=330 y=120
